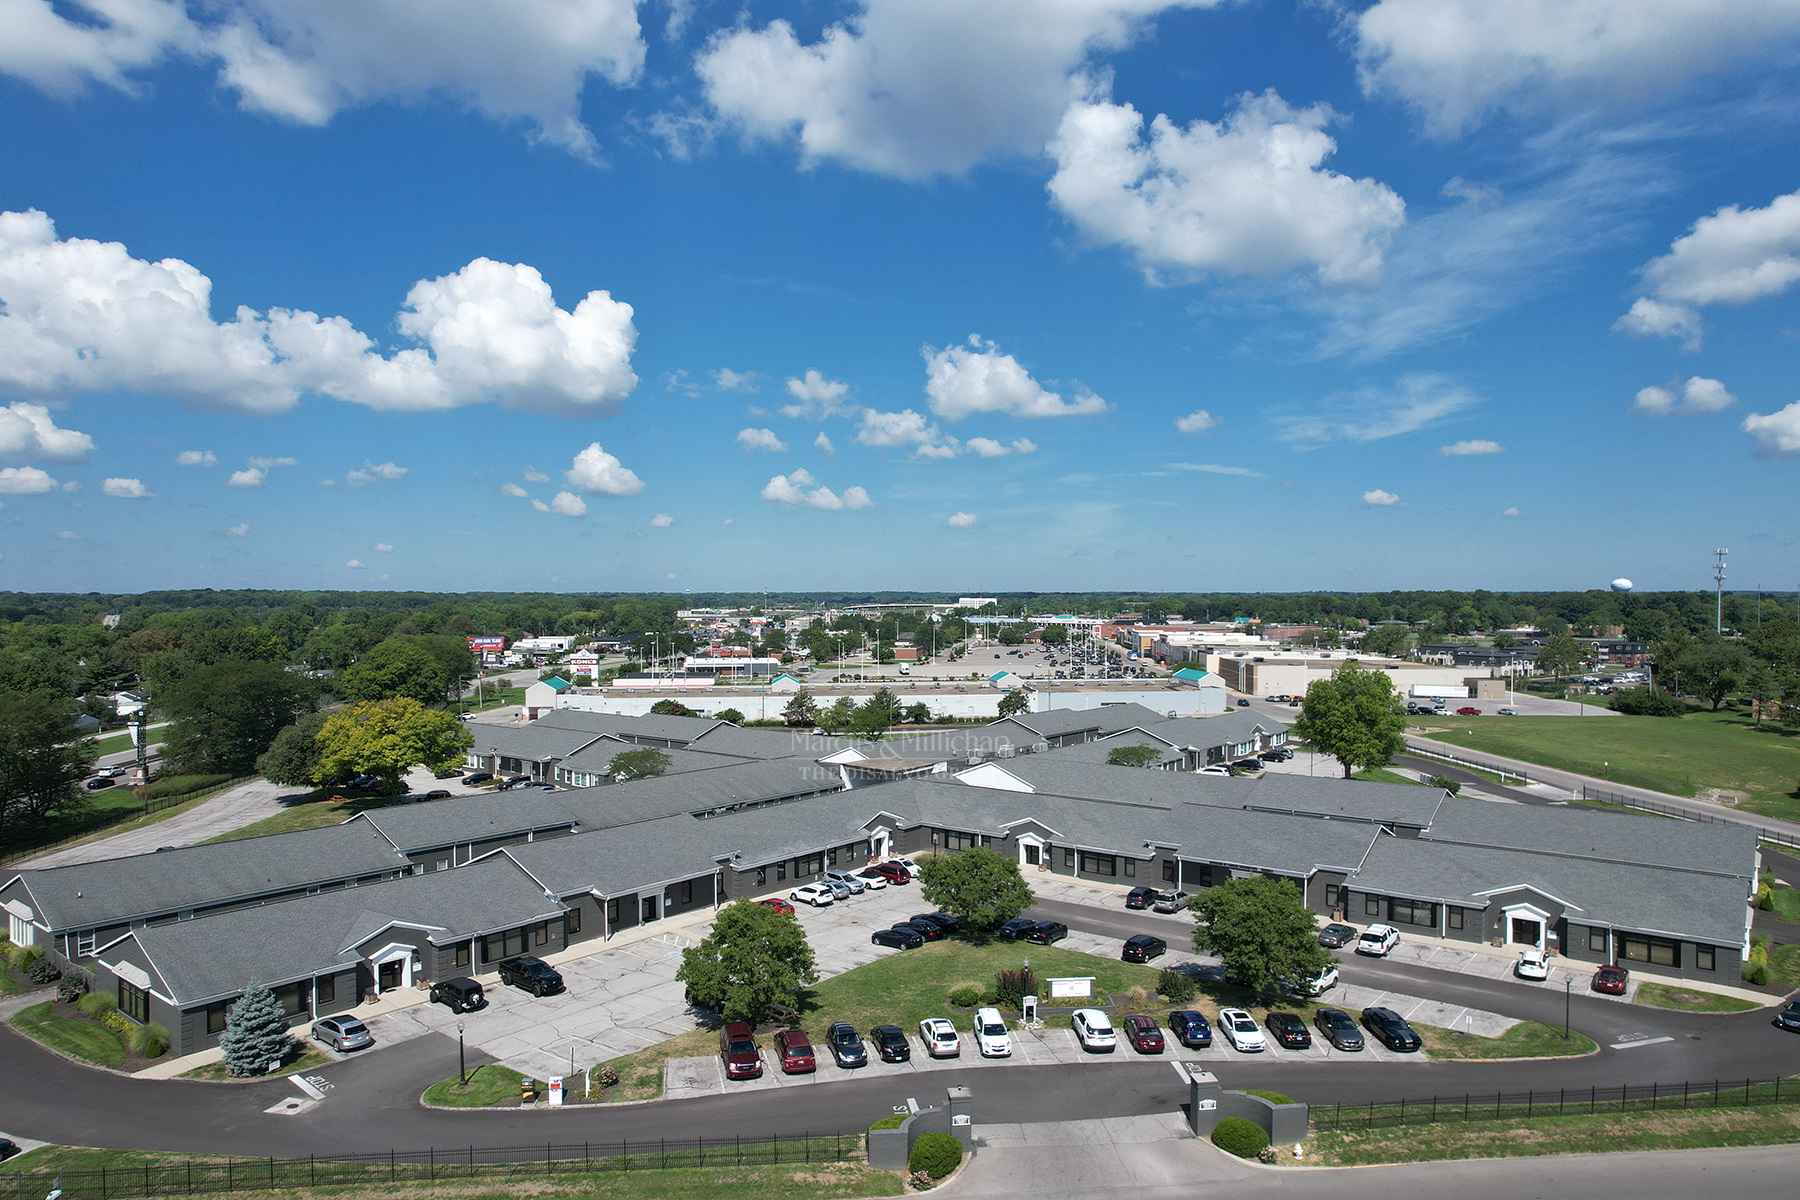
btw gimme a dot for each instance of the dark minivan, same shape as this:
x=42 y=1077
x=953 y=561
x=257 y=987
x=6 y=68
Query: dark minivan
x=1143 y=947
x=737 y=1046
x=795 y=1051
x=458 y=995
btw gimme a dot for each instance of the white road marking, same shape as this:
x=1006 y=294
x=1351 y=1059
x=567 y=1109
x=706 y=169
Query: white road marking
x=1640 y=1042
x=307 y=1086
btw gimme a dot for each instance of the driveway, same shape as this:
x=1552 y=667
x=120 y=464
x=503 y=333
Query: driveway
x=242 y=805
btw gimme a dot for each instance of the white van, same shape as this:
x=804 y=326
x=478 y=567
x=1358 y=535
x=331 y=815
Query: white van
x=905 y=669
x=991 y=1037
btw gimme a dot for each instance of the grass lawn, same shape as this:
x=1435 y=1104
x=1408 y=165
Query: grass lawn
x=313 y=813
x=1787 y=904
x=117 y=743
x=1662 y=995
x=489 y=1085
x=88 y=1042
x=1382 y=775
x=309 y=1057
x=1784 y=965
x=1513 y=1138
x=1527 y=1039
x=7 y=986
x=1678 y=755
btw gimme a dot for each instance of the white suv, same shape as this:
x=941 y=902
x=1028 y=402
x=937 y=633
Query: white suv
x=990 y=1033
x=815 y=894
x=1378 y=940
x=1093 y=1030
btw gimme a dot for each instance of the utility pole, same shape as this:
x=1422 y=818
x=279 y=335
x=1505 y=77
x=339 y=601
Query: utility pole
x=1719 y=599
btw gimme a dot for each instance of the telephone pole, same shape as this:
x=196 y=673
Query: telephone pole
x=1719 y=600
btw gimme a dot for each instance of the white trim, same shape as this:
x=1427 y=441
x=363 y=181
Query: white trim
x=131 y=973
x=1528 y=887
x=1521 y=910
x=20 y=910
x=1032 y=839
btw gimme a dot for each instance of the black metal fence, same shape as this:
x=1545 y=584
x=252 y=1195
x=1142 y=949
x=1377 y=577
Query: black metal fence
x=1556 y=1102
x=1673 y=810
x=200 y=1176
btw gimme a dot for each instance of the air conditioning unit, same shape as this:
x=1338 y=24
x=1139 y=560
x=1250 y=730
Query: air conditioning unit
x=1040 y=747
x=1005 y=751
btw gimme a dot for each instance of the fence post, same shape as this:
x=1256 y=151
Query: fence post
x=1496 y=1106
x=390 y=1164
x=1684 y=1095
x=433 y=1161
x=102 y=1183
x=1465 y=1107
x=1371 y=1114
x=1403 y=1112
x=1529 y=1097
x=312 y=1172
x=806 y=1138
x=625 y=1154
x=229 y=1181
x=665 y=1152
x=1746 y=1093
x=1434 y=1110
x=740 y=1149
x=471 y=1160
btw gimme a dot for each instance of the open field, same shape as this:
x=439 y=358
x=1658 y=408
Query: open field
x=1677 y=755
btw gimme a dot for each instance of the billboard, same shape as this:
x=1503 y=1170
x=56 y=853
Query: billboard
x=483 y=645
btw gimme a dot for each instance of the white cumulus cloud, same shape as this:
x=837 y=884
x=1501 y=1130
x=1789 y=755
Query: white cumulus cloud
x=249 y=477
x=661 y=521
x=905 y=429
x=533 y=475
x=304 y=61
x=1698 y=395
x=791 y=490
x=238 y=530
x=369 y=472
x=1734 y=256
x=126 y=489
x=196 y=458
x=84 y=316
x=1381 y=499
x=355 y=563
x=1247 y=196
x=1511 y=512
x=989 y=448
x=961 y=520
x=977 y=378
x=760 y=439
x=383 y=548
x=514 y=490
x=27 y=432
x=25 y=481
x=568 y=504
x=597 y=473
x=1473 y=447
x=1198 y=421
x=817 y=397
x=824 y=445
x=1776 y=434
x=728 y=380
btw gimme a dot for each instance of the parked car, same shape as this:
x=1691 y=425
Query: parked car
x=872 y=879
x=911 y=867
x=939 y=1037
x=342 y=1034
x=890 y=1042
x=1171 y=901
x=815 y=894
x=452 y=773
x=1215 y=769
x=8 y=1149
x=1289 y=1031
x=436 y=794
x=840 y=892
x=1243 y=704
x=1247 y=766
x=903 y=938
x=459 y=995
x=737 y=1046
x=846 y=1045
x=1789 y=1017
x=1337 y=935
x=794 y=1051
x=942 y=920
x=112 y=772
x=1532 y=964
x=1611 y=980
x=1507 y=711
x=1143 y=1035
x=1093 y=1029
x=925 y=929
x=779 y=905
x=1468 y=710
x=513 y=781
x=1277 y=754
x=1190 y=1029
x=1015 y=929
x=1391 y=1028
x=1318 y=984
x=856 y=883
x=1240 y=1030
x=1378 y=940
x=1143 y=947
x=1141 y=897
x=893 y=872
x=1046 y=933
x=478 y=777
x=105 y=781
x=1336 y=1027
x=532 y=974
x=991 y=1037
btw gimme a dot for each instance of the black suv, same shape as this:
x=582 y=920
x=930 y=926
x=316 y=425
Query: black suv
x=1015 y=929
x=890 y=1041
x=1336 y=1027
x=458 y=995
x=1143 y=947
x=846 y=1045
x=1046 y=932
x=533 y=974
x=1391 y=1028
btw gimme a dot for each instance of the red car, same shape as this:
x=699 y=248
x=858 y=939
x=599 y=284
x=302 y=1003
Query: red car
x=893 y=872
x=1143 y=1035
x=737 y=1046
x=779 y=905
x=795 y=1052
x=1468 y=710
x=1611 y=980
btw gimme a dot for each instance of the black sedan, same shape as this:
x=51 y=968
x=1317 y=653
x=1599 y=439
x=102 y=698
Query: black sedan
x=478 y=777
x=1336 y=1027
x=899 y=938
x=532 y=974
x=929 y=930
x=890 y=1041
x=846 y=1045
x=1391 y=1028
x=1015 y=929
x=1289 y=1030
x=942 y=920
x=1337 y=935
x=1789 y=1017
x=94 y=785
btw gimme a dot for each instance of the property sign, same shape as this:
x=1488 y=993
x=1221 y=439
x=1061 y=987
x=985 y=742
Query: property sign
x=482 y=645
x=1076 y=988
x=556 y=1090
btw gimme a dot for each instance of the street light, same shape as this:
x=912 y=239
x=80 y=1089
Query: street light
x=462 y=1069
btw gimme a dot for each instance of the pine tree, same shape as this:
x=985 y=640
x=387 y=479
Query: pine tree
x=255 y=1033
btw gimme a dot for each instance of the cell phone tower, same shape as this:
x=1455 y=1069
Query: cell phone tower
x=1719 y=600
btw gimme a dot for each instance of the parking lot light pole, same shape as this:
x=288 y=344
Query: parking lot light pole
x=462 y=1069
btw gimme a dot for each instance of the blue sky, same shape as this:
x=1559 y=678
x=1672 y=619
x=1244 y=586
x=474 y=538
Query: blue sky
x=1059 y=294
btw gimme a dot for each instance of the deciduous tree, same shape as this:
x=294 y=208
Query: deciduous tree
x=672 y=708
x=801 y=710
x=1142 y=755
x=754 y=959
x=42 y=760
x=386 y=738
x=1261 y=929
x=641 y=763
x=977 y=886
x=1014 y=703
x=293 y=760
x=1559 y=656
x=226 y=714
x=1355 y=716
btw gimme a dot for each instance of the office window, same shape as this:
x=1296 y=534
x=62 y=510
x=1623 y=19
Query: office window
x=325 y=989
x=294 y=998
x=462 y=954
x=1168 y=870
x=572 y=921
x=541 y=934
x=443 y=864
x=215 y=1016
x=1413 y=912
x=1455 y=916
x=1068 y=856
x=762 y=876
x=1099 y=864
x=1333 y=893
x=781 y=872
x=134 y=1002
x=1703 y=957
x=812 y=864
x=687 y=892
x=1372 y=906
x=84 y=943
x=831 y=856
x=612 y=913
x=1131 y=868
x=1656 y=951
x=1597 y=938
x=496 y=946
x=954 y=840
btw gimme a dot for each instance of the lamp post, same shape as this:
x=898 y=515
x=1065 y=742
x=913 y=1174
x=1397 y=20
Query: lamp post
x=462 y=1069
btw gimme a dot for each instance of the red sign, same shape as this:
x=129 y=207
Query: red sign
x=479 y=644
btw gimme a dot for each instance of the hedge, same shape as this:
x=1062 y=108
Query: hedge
x=938 y=1154
x=1241 y=1137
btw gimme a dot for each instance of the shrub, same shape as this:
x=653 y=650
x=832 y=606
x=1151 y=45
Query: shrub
x=606 y=1077
x=1765 y=896
x=23 y=956
x=1011 y=987
x=117 y=1021
x=1175 y=987
x=95 y=1005
x=1756 y=967
x=1642 y=702
x=1271 y=1097
x=966 y=996
x=148 y=1041
x=889 y=1123
x=42 y=970
x=72 y=987
x=1759 y=974
x=936 y=1154
x=1445 y=782
x=1235 y=1135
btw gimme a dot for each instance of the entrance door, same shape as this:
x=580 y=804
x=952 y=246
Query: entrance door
x=387 y=975
x=878 y=846
x=1527 y=932
x=649 y=909
x=1031 y=855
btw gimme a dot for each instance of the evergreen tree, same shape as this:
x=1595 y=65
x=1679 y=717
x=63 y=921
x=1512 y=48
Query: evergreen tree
x=801 y=710
x=255 y=1033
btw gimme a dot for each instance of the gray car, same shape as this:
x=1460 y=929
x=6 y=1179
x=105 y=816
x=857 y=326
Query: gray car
x=342 y=1033
x=856 y=886
x=839 y=889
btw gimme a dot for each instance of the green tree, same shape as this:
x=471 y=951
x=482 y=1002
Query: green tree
x=256 y=1033
x=1142 y=755
x=1505 y=641
x=394 y=669
x=1715 y=670
x=918 y=713
x=672 y=708
x=386 y=738
x=293 y=760
x=1389 y=641
x=754 y=959
x=1355 y=716
x=1014 y=703
x=801 y=710
x=1559 y=656
x=638 y=764
x=1261 y=929
x=730 y=714
x=977 y=886
x=226 y=714
x=1055 y=635
x=42 y=760
x=1012 y=635
x=838 y=716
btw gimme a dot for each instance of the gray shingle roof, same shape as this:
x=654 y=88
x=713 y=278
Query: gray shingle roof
x=119 y=889
x=1228 y=728
x=1265 y=842
x=216 y=956
x=533 y=742
x=1060 y=722
x=611 y=862
x=652 y=725
x=596 y=755
x=698 y=791
x=1605 y=836
x=1400 y=804
x=460 y=819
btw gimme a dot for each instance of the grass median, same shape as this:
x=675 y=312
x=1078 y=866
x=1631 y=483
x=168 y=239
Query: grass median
x=489 y=1086
x=1527 y=1039
x=1663 y=995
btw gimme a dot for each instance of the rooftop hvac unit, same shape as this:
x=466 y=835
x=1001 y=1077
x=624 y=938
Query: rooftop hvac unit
x=1005 y=751
x=1040 y=747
